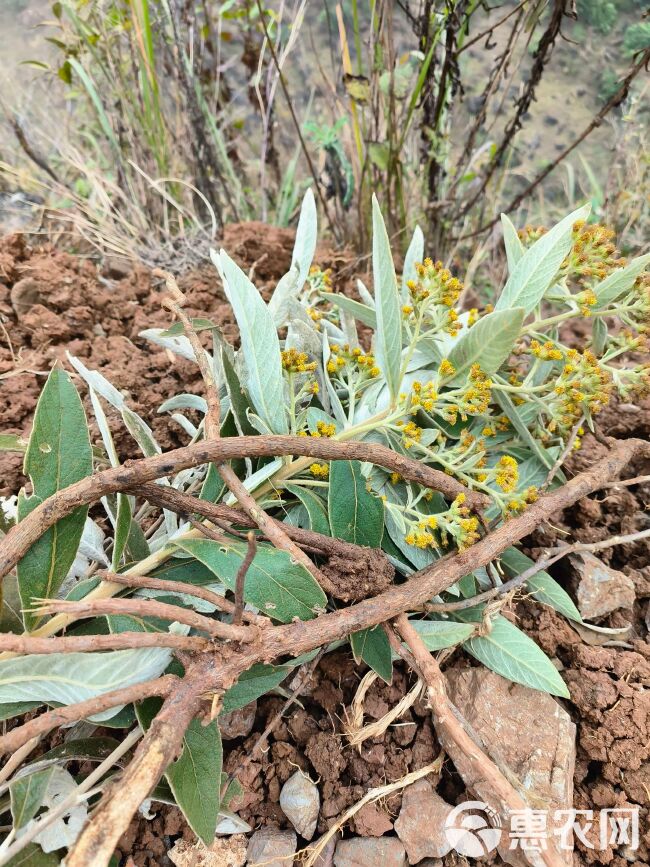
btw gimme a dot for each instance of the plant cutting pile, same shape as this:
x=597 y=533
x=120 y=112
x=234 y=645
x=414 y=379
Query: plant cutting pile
x=357 y=471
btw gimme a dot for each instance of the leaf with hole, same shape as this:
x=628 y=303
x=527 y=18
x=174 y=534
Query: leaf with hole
x=275 y=584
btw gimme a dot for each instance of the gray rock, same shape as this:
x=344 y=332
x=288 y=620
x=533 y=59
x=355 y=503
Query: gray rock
x=601 y=589
x=300 y=803
x=370 y=852
x=271 y=847
x=238 y=723
x=524 y=730
x=421 y=822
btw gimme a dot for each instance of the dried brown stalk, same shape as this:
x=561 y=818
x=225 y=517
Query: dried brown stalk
x=241 y=579
x=149 y=608
x=23 y=535
x=93 y=643
x=151 y=583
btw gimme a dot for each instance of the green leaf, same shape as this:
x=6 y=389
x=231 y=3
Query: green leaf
x=66 y=678
x=512 y=654
x=306 y=236
x=355 y=514
x=388 y=337
x=27 y=795
x=16 y=708
x=360 y=311
x=123 y=524
x=543 y=587
x=619 y=281
x=514 y=248
x=438 y=634
x=33 y=856
x=315 y=508
x=257 y=681
x=277 y=586
x=372 y=646
x=535 y=271
x=260 y=344
x=195 y=777
x=488 y=342
x=414 y=254
x=58 y=455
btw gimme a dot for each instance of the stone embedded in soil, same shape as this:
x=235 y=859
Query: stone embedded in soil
x=421 y=822
x=224 y=852
x=300 y=803
x=271 y=847
x=370 y=852
x=238 y=723
x=372 y=821
x=601 y=589
x=524 y=730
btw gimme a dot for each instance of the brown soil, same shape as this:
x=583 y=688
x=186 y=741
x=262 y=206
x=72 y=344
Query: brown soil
x=50 y=301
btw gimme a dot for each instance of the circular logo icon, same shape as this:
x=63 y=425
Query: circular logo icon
x=469 y=832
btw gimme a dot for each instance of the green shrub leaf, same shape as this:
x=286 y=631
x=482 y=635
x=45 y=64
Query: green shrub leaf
x=619 y=281
x=257 y=681
x=543 y=587
x=535 y=271
x=438 y=634
x=195 y=777
x=488 y=342
x=514 y=248
x=372 y=646
x=388 y=336
x=315 y=508
x=355 y=514
x=58 y=455
x=512 y=654
x=277 y=586
x=27 y=795
x=260 y=344
x=360 y=311
x=66 y=678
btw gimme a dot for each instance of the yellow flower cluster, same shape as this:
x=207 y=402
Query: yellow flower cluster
x=446 y=369
x=297 y=362
x=435 y=283
x=320 y=471
x=475 y=400
x=507 y=474
x=582 y=386
x=342 y=357
x=586 y=299
x=593 y=255
x=320 y=279
x=545 y=351
x=411 y=433
x=423 y=396
x=518 y=504
x=324 y=429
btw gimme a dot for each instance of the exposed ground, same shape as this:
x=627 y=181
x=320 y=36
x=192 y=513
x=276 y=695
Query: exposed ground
x=51 y=301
